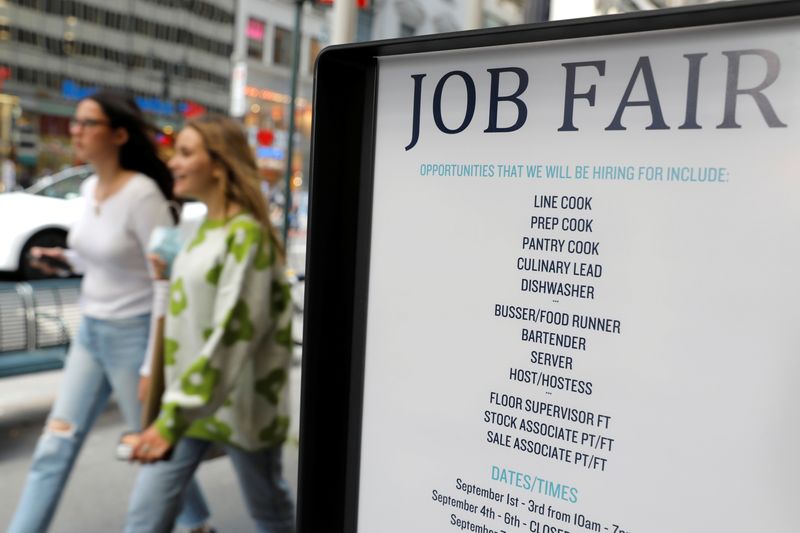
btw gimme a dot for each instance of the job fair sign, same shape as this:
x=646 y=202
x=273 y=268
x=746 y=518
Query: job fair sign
x=584 y=299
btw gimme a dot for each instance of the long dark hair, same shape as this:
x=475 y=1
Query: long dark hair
x=139 y=153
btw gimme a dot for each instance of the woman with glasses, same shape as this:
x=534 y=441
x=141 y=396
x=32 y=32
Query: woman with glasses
x=227 y=341
x=127 y=197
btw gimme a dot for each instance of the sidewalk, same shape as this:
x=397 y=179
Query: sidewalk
x=24 y=404
x=27 y=397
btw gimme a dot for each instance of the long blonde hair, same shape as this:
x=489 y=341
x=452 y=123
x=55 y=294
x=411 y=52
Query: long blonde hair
x=225 y=141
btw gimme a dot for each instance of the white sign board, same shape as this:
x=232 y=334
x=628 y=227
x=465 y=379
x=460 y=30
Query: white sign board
x=583 y=294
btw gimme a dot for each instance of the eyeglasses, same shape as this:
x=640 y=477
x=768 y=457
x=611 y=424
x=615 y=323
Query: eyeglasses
x=79 y=124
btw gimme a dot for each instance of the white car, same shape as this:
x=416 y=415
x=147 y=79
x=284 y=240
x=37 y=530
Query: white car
x=43 y=214
x=39 y=216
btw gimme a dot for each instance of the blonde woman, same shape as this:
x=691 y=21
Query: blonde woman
x=227 y=341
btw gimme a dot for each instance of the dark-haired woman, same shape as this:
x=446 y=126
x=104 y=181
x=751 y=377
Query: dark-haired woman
x=127 y=197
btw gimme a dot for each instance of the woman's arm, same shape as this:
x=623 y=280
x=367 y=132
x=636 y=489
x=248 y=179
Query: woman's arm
x=160 y=300
x=151 y=212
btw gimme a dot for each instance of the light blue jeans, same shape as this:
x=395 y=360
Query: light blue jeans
x=157 y=493
x=105 y=357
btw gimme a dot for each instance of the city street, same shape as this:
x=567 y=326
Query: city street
x=96 y=496
x=97 y=493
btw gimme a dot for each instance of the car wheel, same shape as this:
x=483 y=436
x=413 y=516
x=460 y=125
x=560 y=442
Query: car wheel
x=47 y=238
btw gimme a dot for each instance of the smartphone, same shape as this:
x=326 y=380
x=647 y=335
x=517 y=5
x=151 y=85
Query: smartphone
x=127 y=442
x=52 y=262
x=124 y=450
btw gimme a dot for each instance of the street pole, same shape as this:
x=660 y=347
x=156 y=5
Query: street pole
x=298 y=20
x=474 y=14
x=344 y=21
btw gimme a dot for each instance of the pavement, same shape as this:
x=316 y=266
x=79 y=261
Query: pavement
x=26 y=397
x=97 y=493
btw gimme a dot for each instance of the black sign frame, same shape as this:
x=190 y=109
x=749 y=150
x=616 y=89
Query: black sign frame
x=340 y=213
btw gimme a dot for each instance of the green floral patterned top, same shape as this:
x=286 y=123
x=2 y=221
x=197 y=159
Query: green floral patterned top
x=227 y=344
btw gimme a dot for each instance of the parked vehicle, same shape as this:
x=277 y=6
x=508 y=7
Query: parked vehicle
x=42 y=214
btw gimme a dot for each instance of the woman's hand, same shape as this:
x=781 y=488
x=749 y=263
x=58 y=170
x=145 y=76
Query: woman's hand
x=37 y=261
x=159 y=266
x=151 y=447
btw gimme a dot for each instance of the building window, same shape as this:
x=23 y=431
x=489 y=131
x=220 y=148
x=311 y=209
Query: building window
x=282 y=49
x=314 y=48
x=406 y=30
x=255 y=38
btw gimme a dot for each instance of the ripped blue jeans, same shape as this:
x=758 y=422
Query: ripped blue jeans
x=104 y=358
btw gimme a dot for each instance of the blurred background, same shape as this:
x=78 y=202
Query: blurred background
x=184 y=58
x=250 y=59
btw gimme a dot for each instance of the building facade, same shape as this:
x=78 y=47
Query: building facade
x=173 y=55
x=263 y=58
x=406 y=18
x=261 y=89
